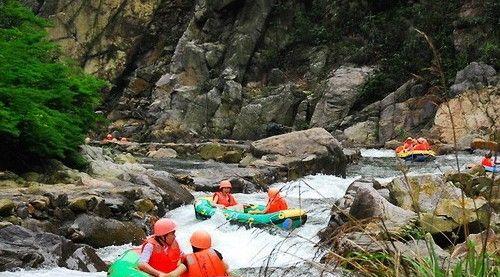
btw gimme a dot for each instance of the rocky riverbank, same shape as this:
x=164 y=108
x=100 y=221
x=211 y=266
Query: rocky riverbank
x=118 y=198
x=413 y=218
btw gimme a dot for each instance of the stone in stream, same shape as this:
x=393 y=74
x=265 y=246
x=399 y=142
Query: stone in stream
x=22 y=248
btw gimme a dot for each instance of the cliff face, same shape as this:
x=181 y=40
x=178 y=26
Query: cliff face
x=235 y=69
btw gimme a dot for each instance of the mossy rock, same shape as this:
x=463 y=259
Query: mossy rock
x=212 y=151
x=144 y=205
x=6 y=207
x=233 y=156
x=79 y=205
x=436 y=224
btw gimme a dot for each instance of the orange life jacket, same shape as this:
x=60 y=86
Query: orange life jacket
x=226 y=201
x=399 y=149
x=276 y=204
x=205 y=263
x=421 y=146
x=408 y=146
x=487 y=162
x=163 y=259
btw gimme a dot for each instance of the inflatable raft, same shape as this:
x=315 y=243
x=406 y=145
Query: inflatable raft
x=495 y=169
x=417 y=155
x=286 y=219
x=127 y=265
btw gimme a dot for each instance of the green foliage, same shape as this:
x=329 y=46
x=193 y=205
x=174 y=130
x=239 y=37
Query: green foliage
x=307 y=26
x=46 y=105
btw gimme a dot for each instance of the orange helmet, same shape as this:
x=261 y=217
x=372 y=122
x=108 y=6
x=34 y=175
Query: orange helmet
x=225 y=184
x=272 y=192
x=201 y=239
x=109 y=136
x=164 y=226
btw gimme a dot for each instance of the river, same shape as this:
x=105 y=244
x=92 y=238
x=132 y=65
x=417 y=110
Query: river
x=247 y=250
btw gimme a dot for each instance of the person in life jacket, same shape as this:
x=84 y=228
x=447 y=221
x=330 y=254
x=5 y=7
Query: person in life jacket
x=205 y=261
x=422 y=144
x=275 y=203
x=160 y=253
x=409 y=144
x=224 y=199
x=486 y=161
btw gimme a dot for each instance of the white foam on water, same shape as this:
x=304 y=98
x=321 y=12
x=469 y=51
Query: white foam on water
x=377 y=153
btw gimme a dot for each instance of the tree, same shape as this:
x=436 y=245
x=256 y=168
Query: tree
x=46 y=103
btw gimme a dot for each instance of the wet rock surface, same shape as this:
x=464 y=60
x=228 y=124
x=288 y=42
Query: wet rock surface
x=22 y=248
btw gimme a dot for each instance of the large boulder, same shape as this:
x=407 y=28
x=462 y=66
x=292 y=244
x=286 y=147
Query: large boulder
x=162 y=183
x=369 y=204
x=101 y=232
x=22 y=248
x=475 y=114
x=260 y=117
x=473 y=77
x=438 y=203
x=313 y=150
x=338 y=95
x=362 y=133
x=404 y=112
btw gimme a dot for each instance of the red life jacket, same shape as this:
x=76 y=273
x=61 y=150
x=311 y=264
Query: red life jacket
x=487 y=162
x=205 y=263
x=162 y=258
x=422 y=146
x=276 y=204
x=407 y=146
x=226 y=201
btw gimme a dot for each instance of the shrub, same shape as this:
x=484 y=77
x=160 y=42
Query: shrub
x=46 y=104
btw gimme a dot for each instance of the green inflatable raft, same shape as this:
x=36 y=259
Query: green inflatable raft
x=126 y=266
x=252 y=215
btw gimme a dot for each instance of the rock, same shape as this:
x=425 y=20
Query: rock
x=247 y=160
x=338 y=94
x=413 y=249
x=477 y=240
x=245 y=36
x=85 y=37
x=212 y=151
x=427 y=190
x=362 y=133
x=144 y=205
x=400 y=120
x=79 y=205
x=392 y=144
x=6 y=207
x=22 y=248
x=162 y=183
x=478 y=143
x=439 y=203
x=276 y=77
x=232 y=156
x=311 y=150
x=474 y=76
x=32 y=176
x=269 y=115
x=475 y=114
x=369 y=204
x=459 y=212
x=163 y=153
x=101 y=232
x=125 y=158
x=443 y=149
